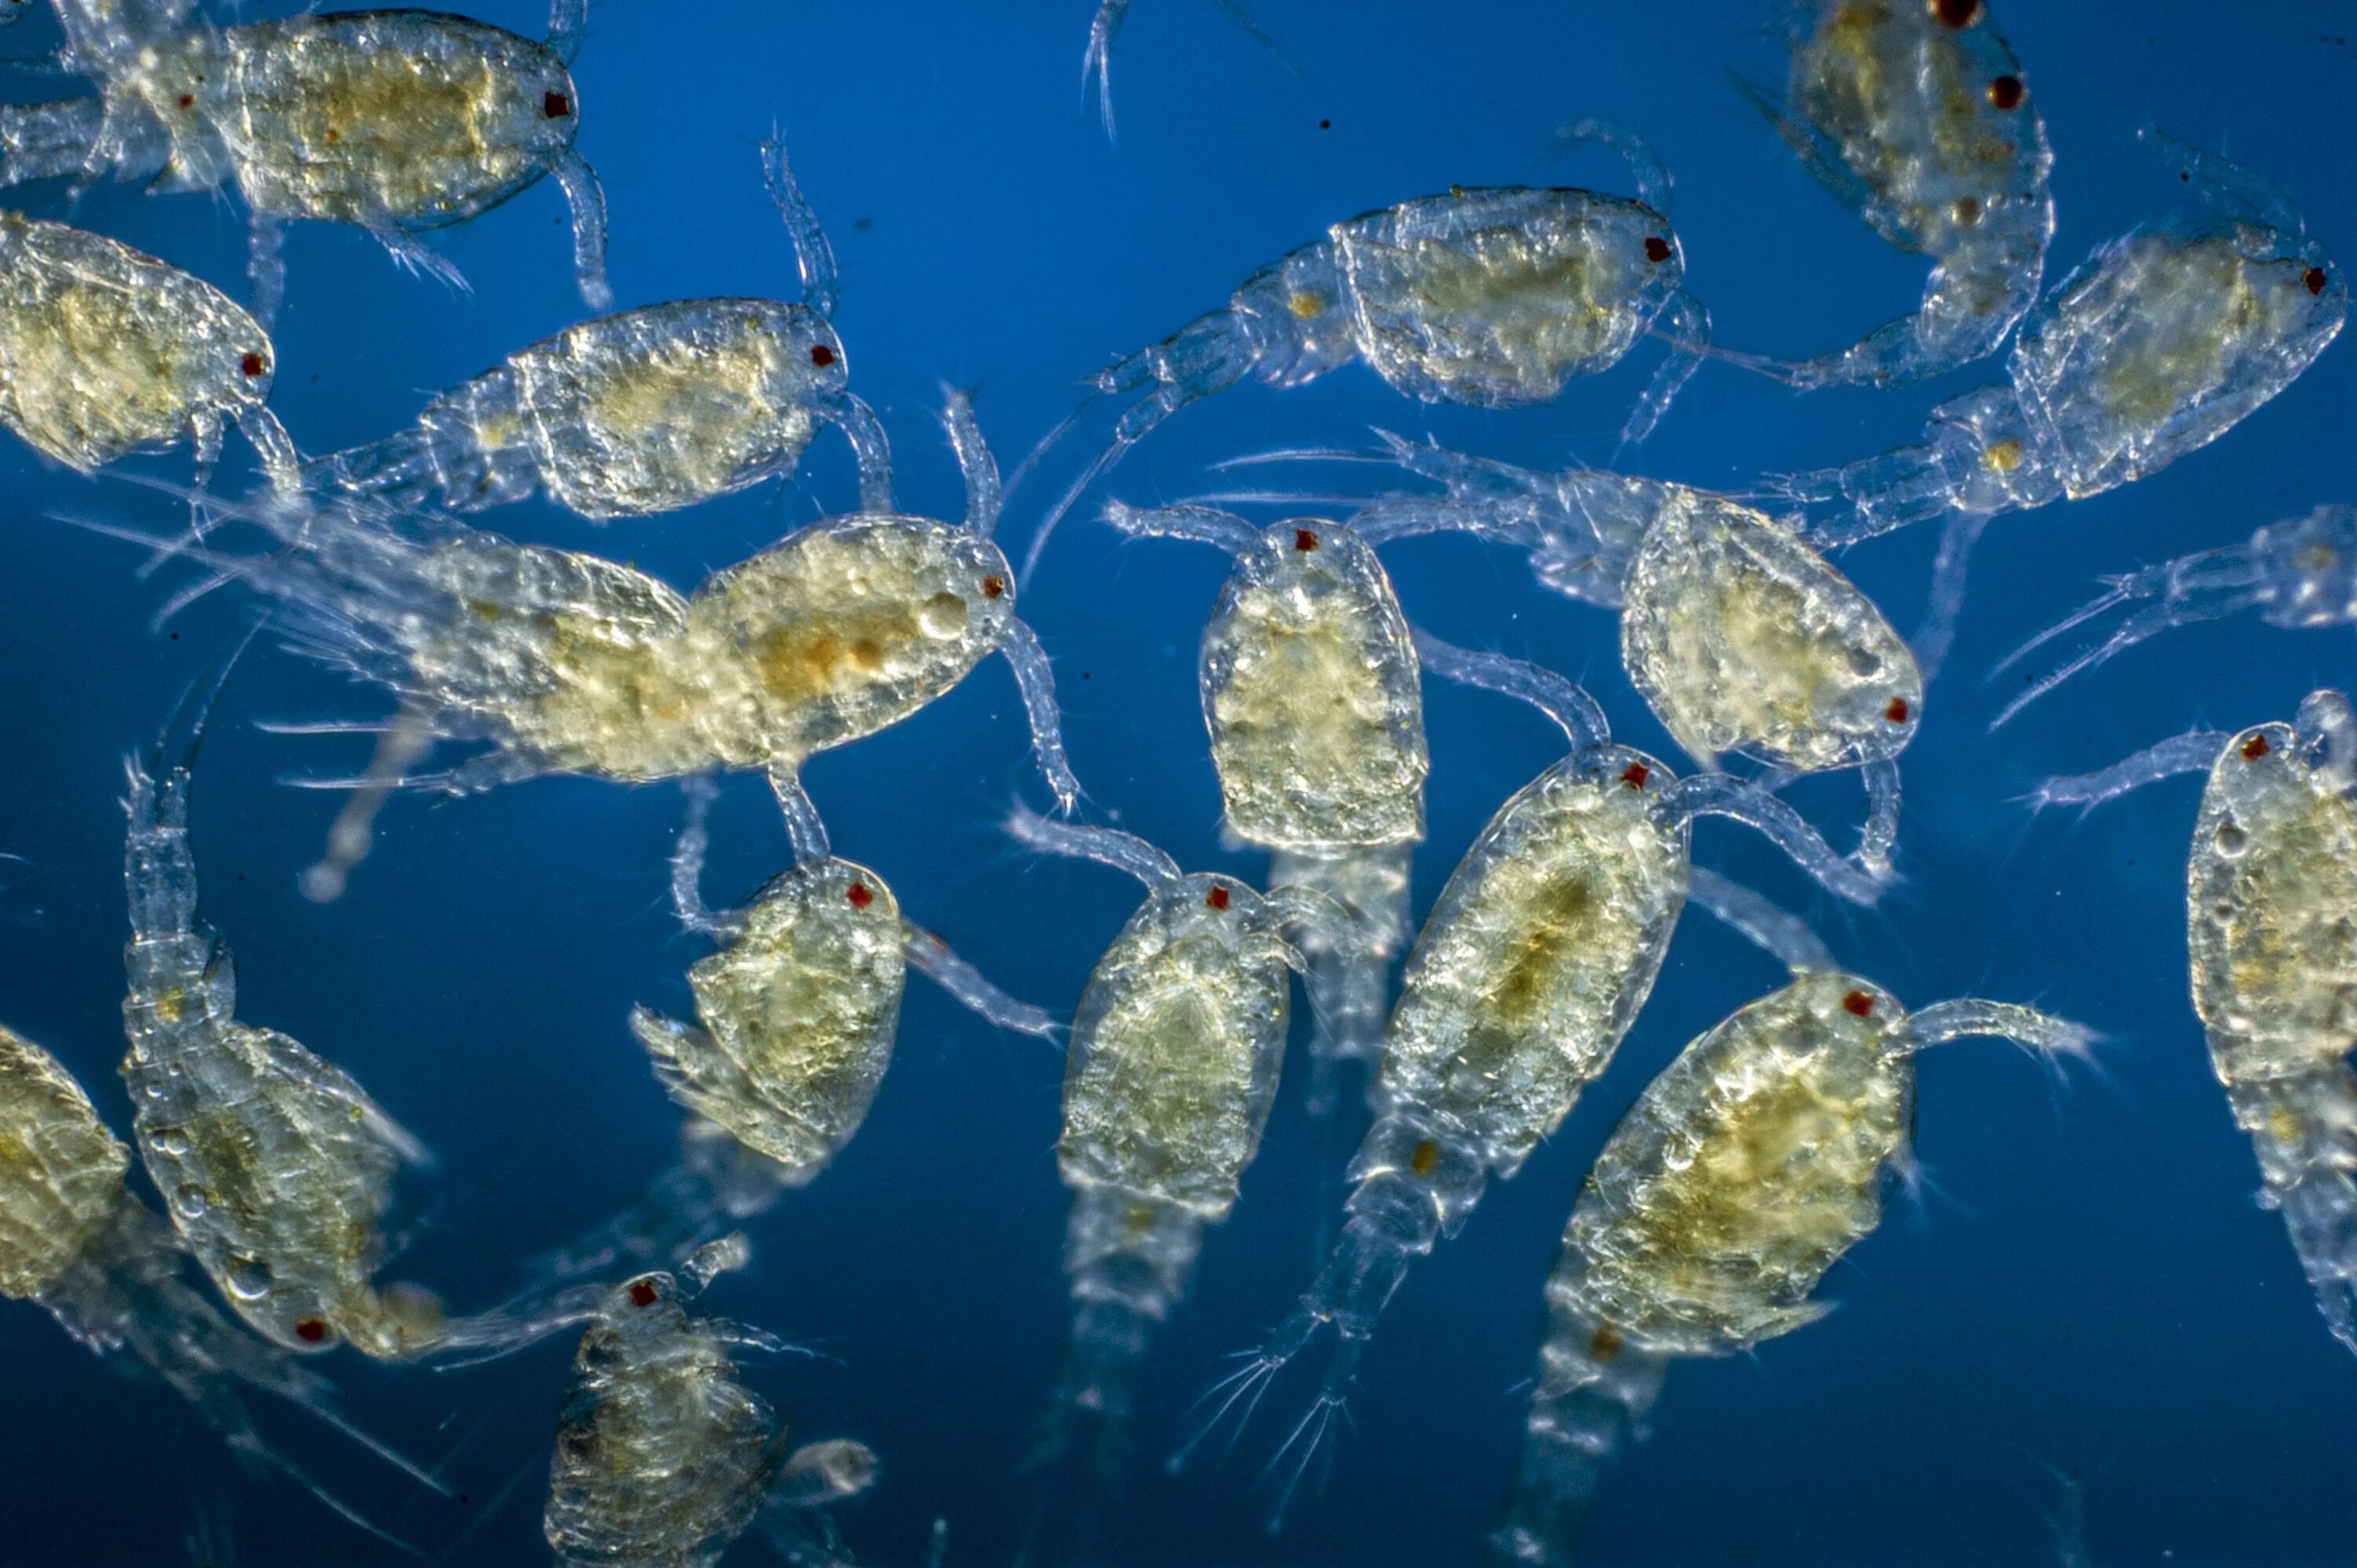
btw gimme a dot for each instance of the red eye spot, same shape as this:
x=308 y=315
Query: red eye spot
x=253 y=365
x=1304 y=540
x=1635 y=775
x=2256 y=747
x=555 y=105
x=310 y=1330
x=860 y=894
x=642 y=1292
x=992 y=586
x=1859 y=1003
x=1957 y=12
x=1656 y=248
x=1898 y=711
x=822 y=356
x=187 y=101
x=1217 y=897
x=2315 y=280
x=2005 y=93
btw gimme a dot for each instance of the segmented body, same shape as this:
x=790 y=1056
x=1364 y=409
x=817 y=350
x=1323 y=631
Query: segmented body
x=799 y=1010
x=105 y=351
x=61 y=1171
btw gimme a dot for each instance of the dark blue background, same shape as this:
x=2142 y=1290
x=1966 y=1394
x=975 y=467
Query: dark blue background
x=2088 y=1286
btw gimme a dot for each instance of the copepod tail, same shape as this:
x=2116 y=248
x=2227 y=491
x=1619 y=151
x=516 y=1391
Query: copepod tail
x=2320 y=1212
x=1082 y=1446
x=1594 y=1391
x=2304 y=1129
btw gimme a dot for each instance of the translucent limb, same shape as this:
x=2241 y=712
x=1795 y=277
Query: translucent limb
x=1687 y=326
x=718 y=1183
x=265 y=266
x=1938 y=633
x=1123 y=852
x=413 y=255
x=687 y=866
x=1097 y=63
x=866 y=432
x=1906 y=485
x=1035 y=678
x=352 y=835
x=1655 y=188
x=280 y=460
x=1202 y=524
x=2203 y=587
x=818 y=1474
x=805 y=829
x=1403 y=517
x=1818 y=153
x=933 y=957
x=812 y=254
x=1721 y=795
x=39 y=141
x=2194 y=752
x=2326 y=729
x=2025 y=1027
x=721 y=1255
x=1590 y=1404
x=2224 y=186
x=984 y=495
x=1563 y=701
x=568 y=23
x=1780 y=933
x=587 y=198
x=1880 y=836
x=206 y=430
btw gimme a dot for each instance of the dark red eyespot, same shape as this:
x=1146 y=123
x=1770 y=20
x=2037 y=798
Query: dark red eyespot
x=822 y=356
x=1217 y=897
x=1859 y=1003
x=1898 y=711
x=555 y=105
x=2005 y=93
x=992 y=586
x=2256 y=747
x=310 y=1330
x=1957 y=12
x=860 y=894
x=1656 y=248
x=187 y=101
x=1635 y=775
x=2314 y=279
x=1304 y=540
x=253 y=365
x=642 y=1292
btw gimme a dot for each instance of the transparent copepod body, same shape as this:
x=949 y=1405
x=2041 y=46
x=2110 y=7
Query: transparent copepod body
x=1533 y=964
x=1743 y=639
x=1744 y=1171
x=644 y=411
x=1175 y=1048
x=105 y=351
x=799 y=1013
x=61 y=1171
x=1311 y=694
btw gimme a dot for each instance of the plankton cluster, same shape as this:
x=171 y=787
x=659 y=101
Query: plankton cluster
x=1493 y=975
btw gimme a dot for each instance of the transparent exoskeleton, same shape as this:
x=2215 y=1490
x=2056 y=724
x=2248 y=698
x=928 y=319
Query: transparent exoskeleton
x=1172 y=1069
x=2270 y=884
x=1530 y=969
x=1097 y=66
x=105 y=351
x=1316 y=711
x=1739 y=634
x=663 y=1456
x=645 y=412
x=1491 y=298
x=2157 y=344
x=1744 y=1172
x=74 y=1240
x=1913 y=114
x=394 y=121
x=570 y=663
x=278 y=1169
x=2298 y=572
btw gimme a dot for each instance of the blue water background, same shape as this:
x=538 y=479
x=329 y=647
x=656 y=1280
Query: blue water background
x=2086 y=1284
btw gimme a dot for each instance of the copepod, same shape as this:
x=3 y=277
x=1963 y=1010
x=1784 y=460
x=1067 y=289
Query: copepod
x=1915 y=117
x=74 y=1240
x=1493 y=298
x=1746 y=1170
x=663 y=1456
x=1740 y=635
x=105 y=351
x=1532 y=966
x=1167 y=1084
x=394 y=121
x=644 y=411
x=567 y=662
x=2158 y=343
x=2298 y=572
x=2270 y=884
x=1316 y=711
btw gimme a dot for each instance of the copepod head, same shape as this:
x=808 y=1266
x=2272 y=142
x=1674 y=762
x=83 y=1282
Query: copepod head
x=815 y=351
x=1631 y=776
x=548 y=106
x=1850 y=1015
x=649 y=1298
